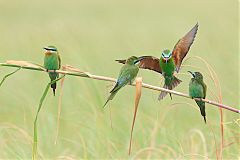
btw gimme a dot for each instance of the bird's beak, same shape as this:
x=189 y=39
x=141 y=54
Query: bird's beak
x=166 y=60
x=192 y=73
x=46 y=48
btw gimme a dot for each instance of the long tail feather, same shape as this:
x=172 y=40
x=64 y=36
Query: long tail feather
x=201 y=105
x=174 y=84
x=113 y=93
x=110 y=98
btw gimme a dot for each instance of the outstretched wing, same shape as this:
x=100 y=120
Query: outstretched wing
x=147 y=62
x=182 y=47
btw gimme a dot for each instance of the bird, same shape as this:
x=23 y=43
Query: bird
x=198 y=89
x=127 y=75
x=170 y=61
x=52 y=61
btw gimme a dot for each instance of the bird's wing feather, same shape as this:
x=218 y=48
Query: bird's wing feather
x=123 y=79
x=182 y=47
x=204 y=89
x=59 y=61
x=147 y=62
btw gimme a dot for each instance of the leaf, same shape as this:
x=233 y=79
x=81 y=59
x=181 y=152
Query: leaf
x=137 y=99
x=34 y=154
x=5 y=77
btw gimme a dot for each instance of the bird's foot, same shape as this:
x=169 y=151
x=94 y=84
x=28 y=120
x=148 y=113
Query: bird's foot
x=54 y=71
x=47 y=70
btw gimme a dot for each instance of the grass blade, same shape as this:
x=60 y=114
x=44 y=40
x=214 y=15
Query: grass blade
x=59 y=108
x=34 y=153
x=5 y=77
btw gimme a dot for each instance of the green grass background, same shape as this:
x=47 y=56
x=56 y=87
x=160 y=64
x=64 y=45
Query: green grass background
x=90 y=35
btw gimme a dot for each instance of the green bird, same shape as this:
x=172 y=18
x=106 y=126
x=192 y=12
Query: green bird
x=170 y=61
x=52 y=61
x=198 y=89
x=127 y=75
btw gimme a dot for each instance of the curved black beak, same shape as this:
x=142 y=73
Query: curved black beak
x=192 y=73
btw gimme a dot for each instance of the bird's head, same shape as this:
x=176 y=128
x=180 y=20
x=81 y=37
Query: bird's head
x=133 y=60
x=196 y=75
x=166 y=54
x=50 y=49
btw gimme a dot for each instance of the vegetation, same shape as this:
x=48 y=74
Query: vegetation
x=90 y=35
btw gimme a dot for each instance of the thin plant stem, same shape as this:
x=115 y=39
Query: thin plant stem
x=144 y=85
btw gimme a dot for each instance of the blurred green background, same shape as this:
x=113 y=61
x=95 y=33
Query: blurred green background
x=90 y=35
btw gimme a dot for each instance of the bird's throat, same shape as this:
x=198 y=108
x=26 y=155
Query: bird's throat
x=48 y=53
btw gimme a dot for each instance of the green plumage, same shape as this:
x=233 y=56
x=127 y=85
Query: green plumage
x=52 y=61
x=168 y=68
x=198 y=89
x=127 y=75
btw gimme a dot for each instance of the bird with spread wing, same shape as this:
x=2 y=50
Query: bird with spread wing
x=169 y=62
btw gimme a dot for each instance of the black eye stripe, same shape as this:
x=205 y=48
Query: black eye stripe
x=51 y=49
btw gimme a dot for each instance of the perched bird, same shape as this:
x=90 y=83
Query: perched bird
x=170 y=61
x=127 y=75
x=52 y=61
x=198 y=89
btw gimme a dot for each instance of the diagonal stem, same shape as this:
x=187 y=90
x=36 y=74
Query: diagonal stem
x=36 y=117
x=5 y=77
x=144 y=85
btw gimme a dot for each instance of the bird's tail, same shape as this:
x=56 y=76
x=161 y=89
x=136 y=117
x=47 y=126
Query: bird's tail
x=53 y=76
x=201 y=105
x=113 y=93
x=175 y=82
x=54 y=86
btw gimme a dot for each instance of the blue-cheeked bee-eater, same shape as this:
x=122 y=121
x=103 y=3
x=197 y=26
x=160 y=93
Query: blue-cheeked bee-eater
x=198 y=89
x=52 y=61
x=127 y=75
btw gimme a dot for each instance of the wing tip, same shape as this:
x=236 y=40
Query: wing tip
x=121 y=61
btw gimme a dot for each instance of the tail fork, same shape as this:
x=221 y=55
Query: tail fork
x=175 y=83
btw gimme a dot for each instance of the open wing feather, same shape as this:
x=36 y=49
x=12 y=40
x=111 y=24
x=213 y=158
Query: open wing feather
x=182 y=47
x=147 y=62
